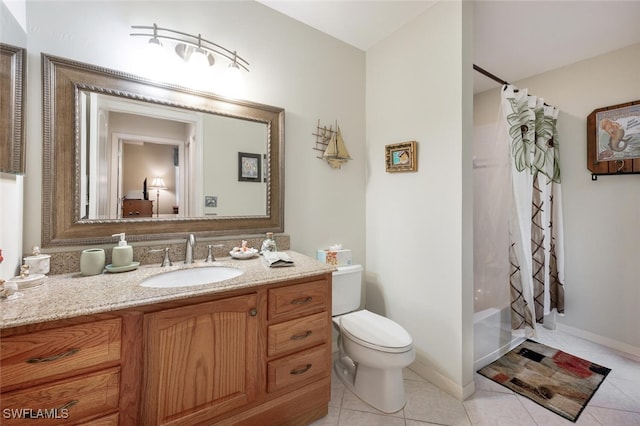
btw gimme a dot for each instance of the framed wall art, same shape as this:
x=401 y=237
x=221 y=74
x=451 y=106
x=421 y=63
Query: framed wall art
x=402 y=157
x=613 y=139
x=13 y=66
x=249 y=167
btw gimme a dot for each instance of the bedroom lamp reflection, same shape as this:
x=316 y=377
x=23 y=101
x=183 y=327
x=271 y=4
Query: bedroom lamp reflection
x=158 y=184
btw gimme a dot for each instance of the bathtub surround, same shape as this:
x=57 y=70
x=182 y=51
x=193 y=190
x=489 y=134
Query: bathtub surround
x=492 y=336
x=556 y=380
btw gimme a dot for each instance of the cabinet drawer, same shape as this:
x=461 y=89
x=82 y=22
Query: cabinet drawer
x=297 y=300
x=48 y=353
x=65 y=401
x=298 y=369
x=137 y=208
x=111 y=420
x=298 y=334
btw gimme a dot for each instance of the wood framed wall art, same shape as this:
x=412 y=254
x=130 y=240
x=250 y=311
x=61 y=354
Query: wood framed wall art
x=13 y=62
x=402 y=157
x=613 y=140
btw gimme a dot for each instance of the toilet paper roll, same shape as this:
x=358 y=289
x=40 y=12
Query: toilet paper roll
x=92 y=261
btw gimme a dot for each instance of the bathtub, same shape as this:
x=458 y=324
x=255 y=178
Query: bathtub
x=492 y=336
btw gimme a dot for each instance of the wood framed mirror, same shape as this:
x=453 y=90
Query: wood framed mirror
x=84 y=188
x=12 y=92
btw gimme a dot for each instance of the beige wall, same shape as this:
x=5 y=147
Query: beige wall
x=419 y=238
x=601 y=218
x=309 y=74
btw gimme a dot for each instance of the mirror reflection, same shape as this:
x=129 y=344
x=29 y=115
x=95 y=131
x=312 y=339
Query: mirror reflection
x=140 y=160
x=154 y=160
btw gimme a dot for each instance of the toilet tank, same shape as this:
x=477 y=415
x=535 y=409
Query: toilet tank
x=346 y=288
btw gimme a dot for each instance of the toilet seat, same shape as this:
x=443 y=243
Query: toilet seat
x=376 y=332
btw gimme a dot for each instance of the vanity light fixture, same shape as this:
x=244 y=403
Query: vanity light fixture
x=200 y=54
x=158 y=184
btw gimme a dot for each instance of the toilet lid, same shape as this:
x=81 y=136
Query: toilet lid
x=375 y=331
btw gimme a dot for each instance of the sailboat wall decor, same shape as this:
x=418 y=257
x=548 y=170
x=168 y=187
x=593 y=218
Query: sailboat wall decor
x=332 y=144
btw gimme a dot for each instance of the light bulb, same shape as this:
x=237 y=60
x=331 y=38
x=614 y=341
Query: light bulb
x=154 y=57
x=199 y=59
x=200 y=73
x=233 y=85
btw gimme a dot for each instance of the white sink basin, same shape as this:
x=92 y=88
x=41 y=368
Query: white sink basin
x=193 y=276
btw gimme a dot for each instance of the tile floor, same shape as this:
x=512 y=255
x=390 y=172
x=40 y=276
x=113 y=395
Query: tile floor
x=616 y=403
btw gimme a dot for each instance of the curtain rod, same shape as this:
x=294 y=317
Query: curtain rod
x=488 y=74
x=494 y=78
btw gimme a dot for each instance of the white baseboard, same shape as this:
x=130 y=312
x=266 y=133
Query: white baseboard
x=601 y=340
x=423 y=368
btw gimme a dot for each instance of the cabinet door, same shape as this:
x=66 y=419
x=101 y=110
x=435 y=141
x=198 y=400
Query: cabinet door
x=200 y=361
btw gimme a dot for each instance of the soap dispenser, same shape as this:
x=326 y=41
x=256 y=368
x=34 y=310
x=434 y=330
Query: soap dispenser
x=122 y=254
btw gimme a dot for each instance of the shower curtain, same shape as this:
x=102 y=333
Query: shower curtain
x=536 y=251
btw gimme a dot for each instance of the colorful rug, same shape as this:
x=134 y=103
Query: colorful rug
x=556 y=380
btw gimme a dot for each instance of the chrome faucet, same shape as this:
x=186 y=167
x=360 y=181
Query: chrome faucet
x=191 y=243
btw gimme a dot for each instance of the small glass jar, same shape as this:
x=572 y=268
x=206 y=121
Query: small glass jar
x=268 y=244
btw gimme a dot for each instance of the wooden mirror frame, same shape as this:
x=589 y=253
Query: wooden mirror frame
x=61 y=226
x=12 y=92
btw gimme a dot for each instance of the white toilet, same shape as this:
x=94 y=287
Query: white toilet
x=373 y=349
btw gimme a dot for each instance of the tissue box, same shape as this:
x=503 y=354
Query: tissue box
x=335 y=257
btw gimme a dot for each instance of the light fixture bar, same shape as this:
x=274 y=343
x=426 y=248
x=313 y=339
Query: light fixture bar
x=191 y=40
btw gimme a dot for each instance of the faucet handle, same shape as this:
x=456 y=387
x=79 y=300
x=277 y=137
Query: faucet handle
x=210 y=257
x=166 y=261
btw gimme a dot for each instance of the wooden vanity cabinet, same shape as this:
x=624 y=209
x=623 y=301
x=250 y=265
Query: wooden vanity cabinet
x=62 y=375
x=255 y=356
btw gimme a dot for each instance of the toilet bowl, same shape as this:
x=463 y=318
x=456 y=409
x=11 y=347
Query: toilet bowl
x=373 y=349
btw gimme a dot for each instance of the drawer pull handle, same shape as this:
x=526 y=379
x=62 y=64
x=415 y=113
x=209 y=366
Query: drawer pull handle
x=301 y=301
x=53 y=357
x=68 y=405
x=301 y=370
x=253 y=312
x=301 y=336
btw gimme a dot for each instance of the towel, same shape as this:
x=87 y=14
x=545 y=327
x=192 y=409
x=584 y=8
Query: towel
x=277 y=259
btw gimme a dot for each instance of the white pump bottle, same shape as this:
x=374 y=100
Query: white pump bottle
x=122 y=254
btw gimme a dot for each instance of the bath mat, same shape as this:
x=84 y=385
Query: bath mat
x=556 y=380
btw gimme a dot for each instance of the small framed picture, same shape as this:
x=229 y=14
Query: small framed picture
x=402 y=157
x=618 y=133
x=249 y=167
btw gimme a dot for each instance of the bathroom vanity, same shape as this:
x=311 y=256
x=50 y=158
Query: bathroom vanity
x=255 y=349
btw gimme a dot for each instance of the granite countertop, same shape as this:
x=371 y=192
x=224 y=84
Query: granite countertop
x=72 y=295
